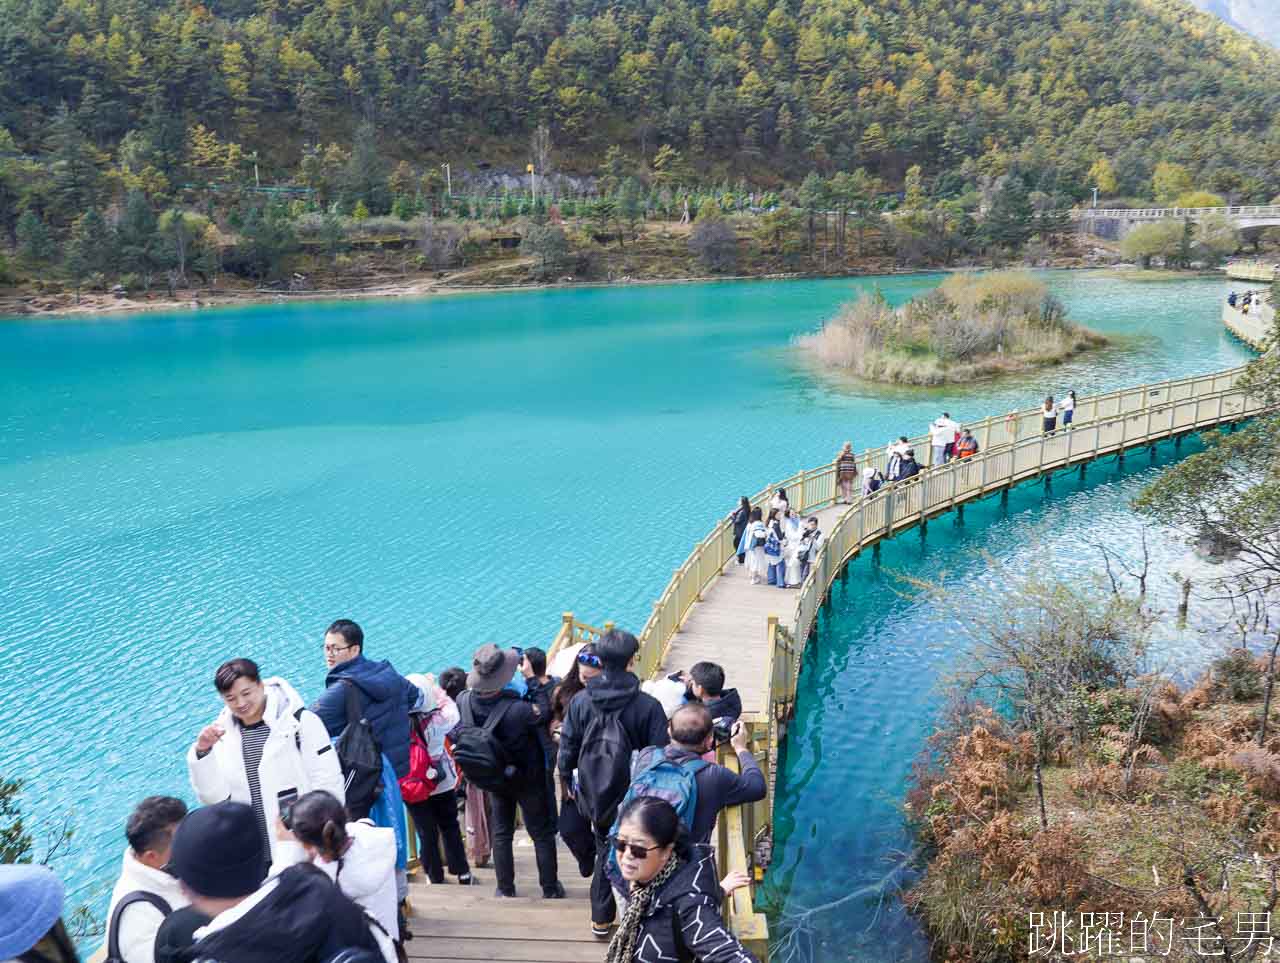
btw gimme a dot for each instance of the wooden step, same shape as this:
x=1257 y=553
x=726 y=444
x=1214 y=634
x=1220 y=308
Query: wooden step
x=451 y=922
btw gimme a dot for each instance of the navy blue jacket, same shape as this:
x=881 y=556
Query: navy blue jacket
x=386 y=697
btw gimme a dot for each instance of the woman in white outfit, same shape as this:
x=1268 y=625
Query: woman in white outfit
x=752 y=545
x=265 y=748
x=792 y=532
x=360 y=857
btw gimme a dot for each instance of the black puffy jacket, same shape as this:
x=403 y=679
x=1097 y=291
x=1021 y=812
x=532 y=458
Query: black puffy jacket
x=684 y=923
x=305 y=918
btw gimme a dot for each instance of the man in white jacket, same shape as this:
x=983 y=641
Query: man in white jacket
x=265 y=749
x=142 y=875
x=942 y=435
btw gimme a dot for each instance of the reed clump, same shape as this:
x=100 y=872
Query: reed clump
x=969 y=327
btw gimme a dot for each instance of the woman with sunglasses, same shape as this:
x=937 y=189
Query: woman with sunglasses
x=673 y=907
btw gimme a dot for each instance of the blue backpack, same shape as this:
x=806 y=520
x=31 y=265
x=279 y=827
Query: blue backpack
x=657 y=775
x=772 y=546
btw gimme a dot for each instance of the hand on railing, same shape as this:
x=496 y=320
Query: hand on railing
x=736 y=879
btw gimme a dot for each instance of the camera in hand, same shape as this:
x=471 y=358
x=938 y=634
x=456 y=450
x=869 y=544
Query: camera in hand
x=723 y=730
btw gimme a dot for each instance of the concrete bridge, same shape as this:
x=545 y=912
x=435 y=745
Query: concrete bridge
x=1117 y=222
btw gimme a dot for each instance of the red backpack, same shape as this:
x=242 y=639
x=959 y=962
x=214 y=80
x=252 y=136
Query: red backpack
x=424 y=772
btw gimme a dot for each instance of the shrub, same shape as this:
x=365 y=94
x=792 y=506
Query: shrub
x=1237 y=675
x=714 y=242
x=970 y=325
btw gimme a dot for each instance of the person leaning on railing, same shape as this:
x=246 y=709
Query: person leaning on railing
x=673 y=912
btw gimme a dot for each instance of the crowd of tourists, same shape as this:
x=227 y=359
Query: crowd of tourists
x=778 y=545
x=297 y=849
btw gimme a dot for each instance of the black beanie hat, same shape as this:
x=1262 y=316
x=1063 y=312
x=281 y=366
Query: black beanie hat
x=218 y=851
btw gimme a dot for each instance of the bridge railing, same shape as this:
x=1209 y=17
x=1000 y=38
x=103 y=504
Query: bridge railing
x=1253 y=271
x=1151 y=213
x=816 y=488
x=1169 y=408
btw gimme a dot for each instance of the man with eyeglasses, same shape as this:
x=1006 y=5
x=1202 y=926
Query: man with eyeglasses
x=386 y=697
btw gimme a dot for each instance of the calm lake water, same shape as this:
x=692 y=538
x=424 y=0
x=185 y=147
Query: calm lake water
x=176 y=490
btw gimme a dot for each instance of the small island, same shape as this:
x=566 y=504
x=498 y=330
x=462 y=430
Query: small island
x=969 y=327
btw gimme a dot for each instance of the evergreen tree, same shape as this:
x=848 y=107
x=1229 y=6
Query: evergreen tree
x=365 y=176
x=1008 y=222
x=35 y=244
x=75 y=175
x=136 y=236
x=266 y=238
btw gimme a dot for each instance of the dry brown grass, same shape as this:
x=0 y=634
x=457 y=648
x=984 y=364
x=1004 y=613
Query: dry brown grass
x=1203 y=802
x=970 y=327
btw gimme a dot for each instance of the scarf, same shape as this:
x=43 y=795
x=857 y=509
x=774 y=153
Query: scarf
x=624 y=939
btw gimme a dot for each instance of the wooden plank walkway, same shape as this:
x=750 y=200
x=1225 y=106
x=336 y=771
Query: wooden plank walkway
x=451 y=923
x=728 y=627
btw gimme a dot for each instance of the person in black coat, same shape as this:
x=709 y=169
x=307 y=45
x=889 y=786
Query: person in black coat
x=740 y=517
x=674 y=908
x=299 y=916
x=517 y=732
x=614 y=691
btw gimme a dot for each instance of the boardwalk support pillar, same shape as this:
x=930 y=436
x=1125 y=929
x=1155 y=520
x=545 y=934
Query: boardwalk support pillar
x=1004 y=498
x=924 y=529
x=875 y=553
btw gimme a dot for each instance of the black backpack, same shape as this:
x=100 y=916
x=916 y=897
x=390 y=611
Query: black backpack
x=604 y=768
x=360 y=758
x=481 y=757
x=113 y=928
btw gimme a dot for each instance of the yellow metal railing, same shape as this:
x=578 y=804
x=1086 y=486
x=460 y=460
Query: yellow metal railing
x=1252 y=271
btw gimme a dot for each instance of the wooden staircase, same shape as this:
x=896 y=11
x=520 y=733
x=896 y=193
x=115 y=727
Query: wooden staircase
x=452 y=923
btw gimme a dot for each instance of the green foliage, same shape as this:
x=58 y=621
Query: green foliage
x=1237 y=674
x=826 y=86
x=266 y=238
x=35 y=244
x=1169 y=182
x=548 y=244
x=1154 y=239
x=1192 y=781
x=16 y=843
x=1199 y=199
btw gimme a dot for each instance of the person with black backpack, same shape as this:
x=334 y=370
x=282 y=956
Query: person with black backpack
x=496 y=746
x=144 y=894
x=607 y=723
x=385 y=698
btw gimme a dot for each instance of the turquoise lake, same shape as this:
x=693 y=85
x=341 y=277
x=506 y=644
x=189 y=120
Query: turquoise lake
x=179 y=489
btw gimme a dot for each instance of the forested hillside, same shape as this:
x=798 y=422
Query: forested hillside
x=173 y=91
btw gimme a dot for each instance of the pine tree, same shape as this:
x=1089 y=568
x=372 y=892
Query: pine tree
x=75 y=176
x=35 y=244
x=136 y=236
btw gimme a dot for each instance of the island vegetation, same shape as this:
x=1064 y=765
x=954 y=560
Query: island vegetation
x=1100 y=802
x=969 y=327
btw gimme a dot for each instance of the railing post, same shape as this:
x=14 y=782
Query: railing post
x=566 y=620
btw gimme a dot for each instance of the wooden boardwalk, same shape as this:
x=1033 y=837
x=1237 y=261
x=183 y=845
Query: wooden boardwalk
x=728 y=627
x=457 y=923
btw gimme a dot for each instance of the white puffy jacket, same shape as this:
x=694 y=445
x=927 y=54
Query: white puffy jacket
x=297 y=758
x=366 y=873
x=140 y=921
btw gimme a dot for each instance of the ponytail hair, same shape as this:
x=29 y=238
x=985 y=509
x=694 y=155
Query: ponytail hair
x=320 y=821
x=660 y=822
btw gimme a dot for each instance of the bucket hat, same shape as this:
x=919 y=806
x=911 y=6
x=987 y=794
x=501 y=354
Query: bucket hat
x=492 y=668
x=30 y=903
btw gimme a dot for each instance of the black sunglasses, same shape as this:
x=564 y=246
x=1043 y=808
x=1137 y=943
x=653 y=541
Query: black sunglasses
x=591 y=659
x=637 y=851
